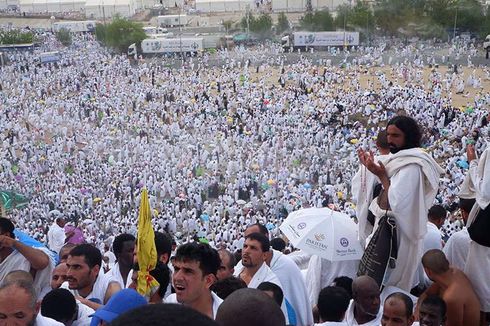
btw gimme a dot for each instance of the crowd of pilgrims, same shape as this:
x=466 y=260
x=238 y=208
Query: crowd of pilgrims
x=220 y=147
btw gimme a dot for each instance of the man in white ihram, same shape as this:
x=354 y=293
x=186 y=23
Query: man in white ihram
x=56 y=235
x=409 y=179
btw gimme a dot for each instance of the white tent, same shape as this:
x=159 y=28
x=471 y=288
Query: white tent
x=223 y=5
x=300 y=5
x=51 y=5
x=97 y=9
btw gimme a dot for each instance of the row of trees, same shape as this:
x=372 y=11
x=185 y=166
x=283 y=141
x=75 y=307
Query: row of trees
x=15 y=36
x=120 y=34
x=424 y=18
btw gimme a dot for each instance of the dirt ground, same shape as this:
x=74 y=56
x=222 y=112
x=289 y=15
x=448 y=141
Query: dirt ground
x=459 y=100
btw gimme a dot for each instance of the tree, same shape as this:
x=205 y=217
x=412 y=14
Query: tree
x=100 y=32
x=485 y=28
x=120 y=34
x=262 y=26
x=282 y=23
x=317 y=21
x=227 y=24
x=392 y=16
x=357 y=18
x=468 y=15
x=64 y=37
x=15 y=36
x=247 y=21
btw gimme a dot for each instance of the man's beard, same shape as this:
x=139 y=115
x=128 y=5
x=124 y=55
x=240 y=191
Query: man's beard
x=394 y=149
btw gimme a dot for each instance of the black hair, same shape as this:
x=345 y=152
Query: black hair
x=161 y=273
x=60 y=305
x=382 y=140
x=467 y=204
x=344 y=282
x=163 y=314
x=264 y=241
x=410 y=129
x=407 y=302
x=231 y=258
x=6 y=226
x=91 y=254
x=163 y=244
x=117 y=245
x=223 y=288
x=435 y=301
x=332 y=303
x=437 y=212
x=207 y=257
x=275 y=289
x=262 y=228
x=278 y=244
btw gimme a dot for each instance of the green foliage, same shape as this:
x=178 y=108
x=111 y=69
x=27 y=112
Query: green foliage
x=64 y=37
x=485 y=28
x=16 y=37
x=282 y=23
x=247 y=21
x=428 y=18
x=358 y=18
x=317 y=21
x=120 y=34
x=261 y=26
x=227 y=24
x=470 y=15
x=100 y=32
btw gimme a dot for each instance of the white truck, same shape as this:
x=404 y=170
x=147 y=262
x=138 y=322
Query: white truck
x=75 y=26
x=172 y=20
x=303 y=40
x=158 y=46
x=49 y=57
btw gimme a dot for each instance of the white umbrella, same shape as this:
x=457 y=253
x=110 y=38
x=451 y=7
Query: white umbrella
x=241 y=202
x=321 y=231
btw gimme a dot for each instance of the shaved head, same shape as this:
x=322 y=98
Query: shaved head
x=18 y=276
x=246 y=307
x=435 y=261
x=365 y=292
x=363 y=283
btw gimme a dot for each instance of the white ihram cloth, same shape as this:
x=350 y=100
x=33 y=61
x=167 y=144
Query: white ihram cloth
x=99 y=288
x=45 y=321
x=363 y=184
x=351 y=321
x=432 y=240
x=16 y=261
x=457 y=248
x=293 y=286
x=115 y=273
x=414 y=180
x=56 y=237
x=322 y=272
x=263 y=274
x=477 y=266
x=216 y=301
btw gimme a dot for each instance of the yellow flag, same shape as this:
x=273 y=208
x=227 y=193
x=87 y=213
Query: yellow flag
x=146 y=250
